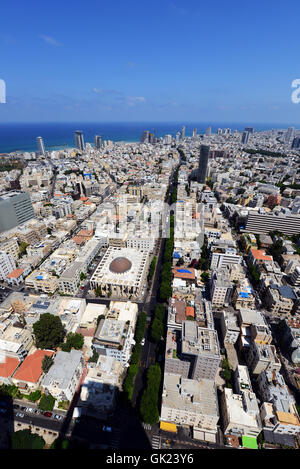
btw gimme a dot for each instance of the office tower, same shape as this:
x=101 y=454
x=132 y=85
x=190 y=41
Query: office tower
x=177 y=138
x=168 y=139
x=41 y=146
x=97 y=141
x=208 y=132
x=194 y=132
x=79 y=141
x=145 y=136
x=203 y=163
x=15 y=209
x=182 y=132
x=245 y=137
x=249 y=129
x=296 y=143
x=289 y=134
x=151 y=138
x=219 y=131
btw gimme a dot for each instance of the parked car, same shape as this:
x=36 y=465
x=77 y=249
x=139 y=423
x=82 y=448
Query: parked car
x=47 y=414
x=23 y=408
x=36 y=411
x=57 y=417
x=20 y=415
x=30 y=409
x=16 y=406
x=143 y=342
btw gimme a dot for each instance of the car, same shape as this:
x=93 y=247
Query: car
x=57 y=417
x=36 y=411
x=23 y=408
x=143 y=342
x=20 y=415
x=16 y=406
x=30 y=409
x=106 y=429
x=47 y=414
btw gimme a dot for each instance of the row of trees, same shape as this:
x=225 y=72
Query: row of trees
x=203 y=263
x=149 y=409
x=166 y=275
x=152 y=268
x=128 y=384
x=157 y=327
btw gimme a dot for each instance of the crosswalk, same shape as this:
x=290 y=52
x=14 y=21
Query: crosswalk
x=156 y=442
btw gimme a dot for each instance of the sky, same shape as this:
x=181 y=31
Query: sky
x=158 y=60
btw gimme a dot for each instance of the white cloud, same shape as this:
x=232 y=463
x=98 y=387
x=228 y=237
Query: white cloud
x=133 y=100
x=50 y=40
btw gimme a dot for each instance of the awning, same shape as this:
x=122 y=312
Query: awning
x=168 y=427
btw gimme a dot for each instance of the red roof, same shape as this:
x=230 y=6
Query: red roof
x=15 y=273
x=8 y=367
x=190 y=311
x=260 y=255
x=31 y=368
x=79 y=239
x=84 y=199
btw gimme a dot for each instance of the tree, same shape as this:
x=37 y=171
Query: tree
x=74 y=340
x=94 y=357
x=47 y=363
x=24 y=439
x=48 y=331
x=34 y=396
x=82 y=276
x=180 y=262
x=46 y=402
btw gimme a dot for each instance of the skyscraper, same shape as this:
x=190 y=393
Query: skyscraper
x=41 y=146
x=182 y=132
x=249 y=129
x=15 y=209
x=203 y=163
x=296 y=142
x=208 y=131
x=245 y=137
x=194 y=132
x=79 y=141
x=151 y=138
x=145 y=136
x=98 y=141
x=289 y=134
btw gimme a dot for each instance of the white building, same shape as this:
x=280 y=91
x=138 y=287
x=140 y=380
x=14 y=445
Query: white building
x=7 y=264
x=64 y=375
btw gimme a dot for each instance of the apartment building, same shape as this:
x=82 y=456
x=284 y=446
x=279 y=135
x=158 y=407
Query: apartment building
x=10 y=246
x=64 y=375
x=262 y=357
x=229 y=326
x=263 y=223
x=15 y=342
x=70 y=279
x=278 y=412
x=7 y=265
x=191 y=403
x=240 y=412
x=220 y=288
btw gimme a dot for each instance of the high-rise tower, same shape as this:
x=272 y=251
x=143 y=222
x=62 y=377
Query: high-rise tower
x=203 y=163
x=79 y=141
x=41 y=145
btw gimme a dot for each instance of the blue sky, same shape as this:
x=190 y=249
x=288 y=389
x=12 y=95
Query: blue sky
x=133 y=60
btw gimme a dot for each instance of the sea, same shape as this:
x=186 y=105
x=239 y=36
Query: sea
x=21 y=137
